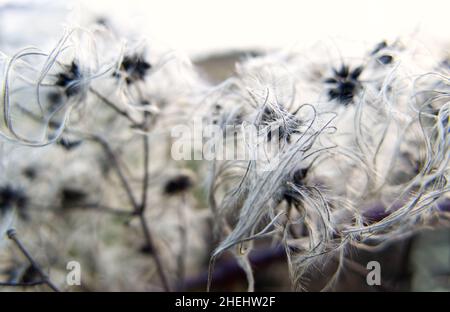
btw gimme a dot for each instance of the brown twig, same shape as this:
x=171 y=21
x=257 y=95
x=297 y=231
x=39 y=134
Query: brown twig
x=116 y=165
x=138 y=208
x=155 y=254
x=12 y=235
x=89 y=207
x=28 y=284
x=181 y=260
x=146 y=154
x=103 y=208
x=113 y=106
x=141 y=209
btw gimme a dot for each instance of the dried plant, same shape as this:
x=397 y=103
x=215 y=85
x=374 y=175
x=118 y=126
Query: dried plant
x=350 y=154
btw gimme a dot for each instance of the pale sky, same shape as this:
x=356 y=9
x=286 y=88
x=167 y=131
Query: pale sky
x=199 y=26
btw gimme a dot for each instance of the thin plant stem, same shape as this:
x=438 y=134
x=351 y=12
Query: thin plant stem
x=118 y=169
x=146 y=152
x=141 y=209
x=182 y=255
x=30 y=284
x=113 y=106
x=90 y=207
x=106 y=209
x=12 y=235
x=151 y=245
x=138 y=209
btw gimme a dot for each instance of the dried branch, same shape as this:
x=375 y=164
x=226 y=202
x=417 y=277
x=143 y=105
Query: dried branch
x=12 y=235
x=182 y=255
x=28 y=284
x=110 y=104
x=141 y=209
x=138 y=208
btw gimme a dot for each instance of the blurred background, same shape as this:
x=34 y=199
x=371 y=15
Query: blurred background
x=217 y=33
x=202 y=26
